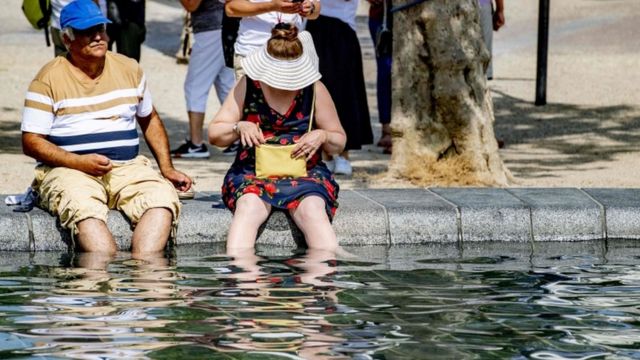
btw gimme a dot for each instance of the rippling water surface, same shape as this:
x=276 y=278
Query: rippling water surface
x=573 y=301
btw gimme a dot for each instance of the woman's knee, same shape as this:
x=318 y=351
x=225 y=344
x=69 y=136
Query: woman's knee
x=252 y=206
x=311 y=209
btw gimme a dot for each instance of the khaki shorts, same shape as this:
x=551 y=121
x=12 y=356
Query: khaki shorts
x=132 y=187
x=237 y=66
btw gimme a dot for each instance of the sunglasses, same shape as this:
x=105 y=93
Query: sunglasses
x=92 y=31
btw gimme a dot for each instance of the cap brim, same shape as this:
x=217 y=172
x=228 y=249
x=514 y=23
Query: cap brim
x=281 y=74
x=87 y=23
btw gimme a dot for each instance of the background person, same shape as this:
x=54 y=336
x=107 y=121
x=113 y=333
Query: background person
x=272 y=104
x=79 y=123
x=336 y=41
x=206 y=68
x=383 y=70
x=259 y=17
x=491 y=19
x=127 y=29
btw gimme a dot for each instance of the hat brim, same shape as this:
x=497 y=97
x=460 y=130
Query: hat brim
x=87 y=23
x=281 y=74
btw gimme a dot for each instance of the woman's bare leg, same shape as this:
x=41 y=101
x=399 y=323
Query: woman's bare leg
x=250 y=213
x=312 y=219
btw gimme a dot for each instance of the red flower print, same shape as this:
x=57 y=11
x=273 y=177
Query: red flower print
x=294 y=183
x=232 y=203
x=268 y=135
x=299 y=115
x=279 y=122
x=296 y=138
x=244 y=154
x=254 y=118
x=293 y=205
x=251 y=189
x=283 y=141
x=270 y=188
x=249 y=177
x=333 y=211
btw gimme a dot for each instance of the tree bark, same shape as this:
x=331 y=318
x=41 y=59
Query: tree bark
x=442 y=125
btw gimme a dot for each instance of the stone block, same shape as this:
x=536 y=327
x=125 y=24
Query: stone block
x=562 y=214
x=204 y=219
x=622 y=209
x=415 y=216
x=14 y=230
x=489 y=214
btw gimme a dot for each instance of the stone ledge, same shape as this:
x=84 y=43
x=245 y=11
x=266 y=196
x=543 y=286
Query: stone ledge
x=388 y=217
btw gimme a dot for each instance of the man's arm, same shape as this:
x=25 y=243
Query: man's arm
x=242 y=8
x=156 y=137
x=38 y=147
x=498 y=15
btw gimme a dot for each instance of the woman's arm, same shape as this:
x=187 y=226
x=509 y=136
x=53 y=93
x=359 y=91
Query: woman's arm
x=328 y=134
x=242 y=8
x=226 y=127
x=190 y=5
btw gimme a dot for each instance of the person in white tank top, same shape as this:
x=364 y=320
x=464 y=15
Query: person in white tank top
x=260 y=16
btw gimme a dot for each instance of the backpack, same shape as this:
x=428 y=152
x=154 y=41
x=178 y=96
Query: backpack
x=38 y=13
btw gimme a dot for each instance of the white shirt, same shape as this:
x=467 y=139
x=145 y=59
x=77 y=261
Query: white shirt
x=255 y=30
x=342 y=10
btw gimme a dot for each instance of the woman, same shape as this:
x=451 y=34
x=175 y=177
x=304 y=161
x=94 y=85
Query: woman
x=272 y=104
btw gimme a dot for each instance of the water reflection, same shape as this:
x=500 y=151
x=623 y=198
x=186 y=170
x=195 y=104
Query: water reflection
x=242 y=303
x=576 y=303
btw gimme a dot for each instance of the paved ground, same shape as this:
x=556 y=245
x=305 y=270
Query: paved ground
x=587 y=136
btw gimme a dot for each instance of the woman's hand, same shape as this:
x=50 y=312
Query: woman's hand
x=250 y=133
x=309 y=143
x=307 y=7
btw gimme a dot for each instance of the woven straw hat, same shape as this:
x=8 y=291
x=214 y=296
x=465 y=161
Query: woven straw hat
x=284 y=74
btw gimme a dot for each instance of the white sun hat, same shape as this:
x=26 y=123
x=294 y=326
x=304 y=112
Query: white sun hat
x=284 y=74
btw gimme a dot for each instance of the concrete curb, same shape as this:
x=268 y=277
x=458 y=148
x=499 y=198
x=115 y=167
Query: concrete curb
x=460 y=216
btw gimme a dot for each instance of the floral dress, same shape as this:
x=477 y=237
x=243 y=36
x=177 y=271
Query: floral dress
x=284 y=129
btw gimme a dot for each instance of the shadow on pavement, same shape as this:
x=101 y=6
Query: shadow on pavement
x=575 y=134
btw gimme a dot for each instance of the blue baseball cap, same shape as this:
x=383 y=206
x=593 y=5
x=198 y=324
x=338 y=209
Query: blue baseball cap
x=81 y=15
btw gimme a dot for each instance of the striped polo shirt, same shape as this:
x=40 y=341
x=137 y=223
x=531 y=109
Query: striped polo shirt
x=83 y=115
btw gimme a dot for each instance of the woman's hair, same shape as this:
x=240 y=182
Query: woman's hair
x=284 y=43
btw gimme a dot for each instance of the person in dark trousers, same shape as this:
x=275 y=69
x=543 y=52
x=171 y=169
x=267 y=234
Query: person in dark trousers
x=127 y=29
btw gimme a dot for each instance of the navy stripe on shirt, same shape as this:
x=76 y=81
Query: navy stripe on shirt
x=94 y=138
x=120 y=153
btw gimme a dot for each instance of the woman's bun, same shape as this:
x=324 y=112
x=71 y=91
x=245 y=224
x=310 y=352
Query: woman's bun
x=284 y=43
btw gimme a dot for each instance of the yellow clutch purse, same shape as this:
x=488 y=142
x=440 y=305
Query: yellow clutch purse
x=275 y=160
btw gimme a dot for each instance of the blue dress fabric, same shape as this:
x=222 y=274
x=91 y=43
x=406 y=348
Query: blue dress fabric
x=283 y=129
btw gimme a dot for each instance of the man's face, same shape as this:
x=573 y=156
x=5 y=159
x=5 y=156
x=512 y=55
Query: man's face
x=90 y=43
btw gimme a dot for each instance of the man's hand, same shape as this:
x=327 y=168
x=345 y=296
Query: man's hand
x=498 y=20
x=179 y=180
x=94 y=164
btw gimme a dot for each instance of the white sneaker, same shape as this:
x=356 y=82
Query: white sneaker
x=331 y=164
x=343 y=166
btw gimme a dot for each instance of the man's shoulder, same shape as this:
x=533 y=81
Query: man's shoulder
x=53 y=67
x=123 y=62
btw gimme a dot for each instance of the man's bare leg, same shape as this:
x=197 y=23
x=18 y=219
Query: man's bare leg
x=94 y=236
x=152 y=232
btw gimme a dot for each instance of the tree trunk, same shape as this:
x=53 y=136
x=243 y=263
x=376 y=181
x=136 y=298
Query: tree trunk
x=442 y=124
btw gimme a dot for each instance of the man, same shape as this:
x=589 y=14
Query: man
x=80 y=124
x=491 y=19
